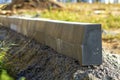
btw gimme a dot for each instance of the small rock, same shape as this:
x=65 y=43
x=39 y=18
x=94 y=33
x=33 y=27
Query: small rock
x=2 y=35
x=95 y=67
x=91 y=77
x=101 y=67
x=81 y=75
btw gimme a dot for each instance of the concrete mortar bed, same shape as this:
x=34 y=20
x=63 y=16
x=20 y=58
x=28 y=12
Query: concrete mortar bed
x=39 y=62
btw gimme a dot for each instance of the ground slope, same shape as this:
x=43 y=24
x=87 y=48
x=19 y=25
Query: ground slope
x=35 y=61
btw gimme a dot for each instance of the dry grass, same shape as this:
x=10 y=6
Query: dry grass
x=107 y=15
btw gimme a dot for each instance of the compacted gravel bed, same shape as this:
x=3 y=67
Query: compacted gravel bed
x=35 y=61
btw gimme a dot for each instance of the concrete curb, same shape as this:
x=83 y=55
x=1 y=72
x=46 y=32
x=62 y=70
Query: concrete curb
x=81 y=41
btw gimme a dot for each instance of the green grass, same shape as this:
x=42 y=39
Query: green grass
x=83 y=12
x=3 y=73
x=108 y=22
x=4 y=47
x=111 y=37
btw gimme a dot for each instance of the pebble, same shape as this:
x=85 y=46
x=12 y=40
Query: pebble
x=50 y=65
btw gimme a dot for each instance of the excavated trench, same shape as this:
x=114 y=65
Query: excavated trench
x=36 y=61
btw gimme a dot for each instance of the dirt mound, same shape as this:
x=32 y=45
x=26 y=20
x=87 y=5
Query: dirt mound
x=36 y=61
x=33 y=4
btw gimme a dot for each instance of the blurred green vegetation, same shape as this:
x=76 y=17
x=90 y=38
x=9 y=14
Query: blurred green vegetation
x=107 y=21
x=106 y=14
x=3 y=73
x=4 y=47
x=111 y=37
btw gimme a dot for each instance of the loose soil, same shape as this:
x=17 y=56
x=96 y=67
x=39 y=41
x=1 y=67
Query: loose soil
x=36 y=61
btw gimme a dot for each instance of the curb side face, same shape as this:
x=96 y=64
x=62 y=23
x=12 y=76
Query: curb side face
x=79 y=41
x=92 y=46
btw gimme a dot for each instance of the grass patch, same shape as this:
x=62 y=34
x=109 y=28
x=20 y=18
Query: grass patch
x=4 y=47
x=106 y=14
x=3 y=73
x=111 y=37
x=108 y=21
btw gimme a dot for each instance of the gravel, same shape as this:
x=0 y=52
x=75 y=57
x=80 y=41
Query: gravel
x=36 y=61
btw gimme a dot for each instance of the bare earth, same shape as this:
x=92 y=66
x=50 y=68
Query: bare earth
x=35 y=61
